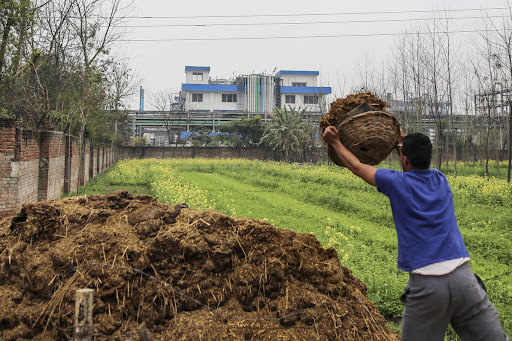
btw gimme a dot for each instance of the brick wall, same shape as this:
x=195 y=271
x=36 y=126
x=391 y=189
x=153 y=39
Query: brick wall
x=8 y=183
x=195 y=152
x=93 y=161
x=52 y=165
x=85 y=164
x=27 y=161
x=109 y=157
x=101 y=160
x=42 y=165
x=72 y=165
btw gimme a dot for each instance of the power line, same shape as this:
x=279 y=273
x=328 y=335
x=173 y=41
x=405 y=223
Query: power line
x=300 y=23
x=315 y=14
x=298 y=14
x=303 y=37
x=306 y=22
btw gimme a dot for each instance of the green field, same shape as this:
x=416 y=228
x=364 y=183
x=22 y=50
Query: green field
x=340 y=209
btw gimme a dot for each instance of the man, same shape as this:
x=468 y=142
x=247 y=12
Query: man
x=442 y=289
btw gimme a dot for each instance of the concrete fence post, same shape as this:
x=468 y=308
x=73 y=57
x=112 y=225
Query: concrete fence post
x=83 y=315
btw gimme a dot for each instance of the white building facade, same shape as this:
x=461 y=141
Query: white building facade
x=255 y=93
x=299 y=90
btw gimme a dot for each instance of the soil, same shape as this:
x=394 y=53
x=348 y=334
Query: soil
x=169 y=272
x=342 y=106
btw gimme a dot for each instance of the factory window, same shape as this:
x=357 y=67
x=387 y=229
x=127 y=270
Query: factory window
x=228 y=97
x=197 y=76
x=197 y=97
x=298 y=83
x=310 y=99
x=289 y=99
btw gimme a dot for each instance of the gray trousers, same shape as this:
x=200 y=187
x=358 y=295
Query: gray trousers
x=433 y=302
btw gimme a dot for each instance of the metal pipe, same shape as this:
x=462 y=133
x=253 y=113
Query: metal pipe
x=252 y=93
x=258 y=94
x=249 y=93
x=267 y=93
x=270 y=94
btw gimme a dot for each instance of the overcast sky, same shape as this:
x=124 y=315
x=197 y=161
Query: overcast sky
x=331 y=36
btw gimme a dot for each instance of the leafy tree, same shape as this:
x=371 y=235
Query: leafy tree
x=290 y=134
x=139 y=141
x=16 y=19
x=201 y=137
x=246 y=132
x=56 y=69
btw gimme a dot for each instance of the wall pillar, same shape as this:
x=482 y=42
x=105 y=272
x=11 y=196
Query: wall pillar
x=51 y=165
x=9 y=168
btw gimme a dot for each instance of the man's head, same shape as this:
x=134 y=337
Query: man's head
x=418 y=150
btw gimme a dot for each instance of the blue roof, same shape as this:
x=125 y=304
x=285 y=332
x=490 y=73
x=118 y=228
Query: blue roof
x=292 y=72
x=209 y=87
x=305 y=89
x=197 y=68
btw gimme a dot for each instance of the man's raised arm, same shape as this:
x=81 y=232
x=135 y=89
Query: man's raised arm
x=366 y=172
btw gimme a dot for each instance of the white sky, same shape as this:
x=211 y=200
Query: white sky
x=161 y=63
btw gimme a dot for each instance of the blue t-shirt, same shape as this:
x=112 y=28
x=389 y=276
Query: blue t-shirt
x=423 y=211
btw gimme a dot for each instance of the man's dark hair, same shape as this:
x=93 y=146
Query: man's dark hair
x=418 y=149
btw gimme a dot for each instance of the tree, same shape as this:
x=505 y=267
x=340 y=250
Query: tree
x=487 y=75
x=163 y=102
x=202 y=137
x=434 y=68
x=245 y=132
x=289 y=134
x=450 y=75
x=121 y=83
x=408 y=78
x=57 y=72
x=96 y=27
x=501 y=36
x=16 y=19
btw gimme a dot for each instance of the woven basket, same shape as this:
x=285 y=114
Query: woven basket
x=371 y=136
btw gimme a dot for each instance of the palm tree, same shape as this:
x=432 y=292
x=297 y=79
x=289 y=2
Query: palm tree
x=289 y=134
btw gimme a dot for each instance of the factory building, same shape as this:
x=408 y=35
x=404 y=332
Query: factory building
x=254 y=93
x=204 y=102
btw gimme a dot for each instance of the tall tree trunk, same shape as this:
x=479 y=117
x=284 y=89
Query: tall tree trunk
x=487 y=144
x=496 y=139
x=5 y=39
x=509 y=141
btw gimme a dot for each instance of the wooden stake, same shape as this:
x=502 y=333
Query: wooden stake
x=83 y=315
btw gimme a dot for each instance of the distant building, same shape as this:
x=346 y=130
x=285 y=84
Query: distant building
x=254 y=93
x=204 y=102
x=418 y=114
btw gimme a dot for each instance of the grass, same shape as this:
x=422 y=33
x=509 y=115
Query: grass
x=477 y=168
x=102 y=184
x=339 y=208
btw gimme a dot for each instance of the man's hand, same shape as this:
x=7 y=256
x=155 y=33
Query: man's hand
x=366 y=172
x=400 y=142
x=401 y=137
x=331 y=135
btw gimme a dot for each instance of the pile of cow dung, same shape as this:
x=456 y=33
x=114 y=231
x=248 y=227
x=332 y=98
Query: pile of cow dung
x=163 y=272
x=341 y=106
